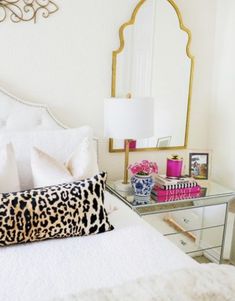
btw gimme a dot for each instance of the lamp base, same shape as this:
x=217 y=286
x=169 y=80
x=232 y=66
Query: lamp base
x=119 y=185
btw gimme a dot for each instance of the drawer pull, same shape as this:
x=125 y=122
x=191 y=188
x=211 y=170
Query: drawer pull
x=186 y=220
x=178 y=227
x=183 y=243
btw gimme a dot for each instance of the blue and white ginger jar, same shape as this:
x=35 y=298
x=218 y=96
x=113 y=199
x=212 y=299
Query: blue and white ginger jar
x=142 y=186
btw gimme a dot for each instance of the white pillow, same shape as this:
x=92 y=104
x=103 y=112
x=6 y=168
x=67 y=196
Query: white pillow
x=59 y=143
x=83 y=162
x=48 y=171
x=9 y=179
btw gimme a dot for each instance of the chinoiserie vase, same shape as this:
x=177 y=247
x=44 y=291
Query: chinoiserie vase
x=142 y=186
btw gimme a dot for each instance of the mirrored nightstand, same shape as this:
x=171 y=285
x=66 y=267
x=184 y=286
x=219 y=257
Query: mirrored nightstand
x=196 y=225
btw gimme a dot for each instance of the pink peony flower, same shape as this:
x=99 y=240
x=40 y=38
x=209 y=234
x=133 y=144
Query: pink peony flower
x=144 y=167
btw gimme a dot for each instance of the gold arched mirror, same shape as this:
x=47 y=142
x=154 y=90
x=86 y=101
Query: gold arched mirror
x=154 y=60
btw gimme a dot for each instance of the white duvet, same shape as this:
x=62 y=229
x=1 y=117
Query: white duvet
x=58 y=268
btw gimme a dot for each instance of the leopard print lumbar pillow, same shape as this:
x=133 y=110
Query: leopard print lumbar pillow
x=64 y=210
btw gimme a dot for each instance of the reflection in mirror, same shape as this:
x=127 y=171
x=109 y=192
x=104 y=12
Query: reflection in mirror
x=154 y=60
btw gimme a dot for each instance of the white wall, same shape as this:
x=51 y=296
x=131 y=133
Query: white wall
x=222 y=106
x=200 y=17
x=65 y=62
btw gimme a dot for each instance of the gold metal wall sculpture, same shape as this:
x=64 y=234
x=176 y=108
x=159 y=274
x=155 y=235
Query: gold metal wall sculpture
x=26 y=10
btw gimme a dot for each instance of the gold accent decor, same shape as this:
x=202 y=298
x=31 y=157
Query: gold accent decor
x=114 y=71
x=171 y=222
x=127 y=149
x=26 y=10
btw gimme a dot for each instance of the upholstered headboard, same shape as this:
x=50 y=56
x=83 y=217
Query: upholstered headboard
x=17 y=114
x=26 y=125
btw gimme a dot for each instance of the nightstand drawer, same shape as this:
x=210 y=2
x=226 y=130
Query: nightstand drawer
x=190 y=219
x=166 y=223
x=214 y=215
x=211 y=237
x=159 y=222
x=184 y=243
x=208 y=239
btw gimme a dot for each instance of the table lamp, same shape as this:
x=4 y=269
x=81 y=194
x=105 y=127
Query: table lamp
x=128 y=119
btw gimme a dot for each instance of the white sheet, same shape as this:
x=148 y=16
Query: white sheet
x=56 y=268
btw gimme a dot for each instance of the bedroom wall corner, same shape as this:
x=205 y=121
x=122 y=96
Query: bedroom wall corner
x=222 y=122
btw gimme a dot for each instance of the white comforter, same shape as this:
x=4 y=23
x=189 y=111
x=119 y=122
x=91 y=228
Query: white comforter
x=57 y=268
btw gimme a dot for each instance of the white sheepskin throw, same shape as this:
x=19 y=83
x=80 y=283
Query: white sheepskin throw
x=207 y=282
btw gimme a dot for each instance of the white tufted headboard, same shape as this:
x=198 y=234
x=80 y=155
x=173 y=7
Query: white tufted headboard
x=17 y=114
x=27 y=125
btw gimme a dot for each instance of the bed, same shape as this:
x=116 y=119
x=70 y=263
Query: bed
x=72 y=268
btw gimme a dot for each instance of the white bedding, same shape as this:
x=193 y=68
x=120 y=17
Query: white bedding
x=205 y=282
x=57 y=268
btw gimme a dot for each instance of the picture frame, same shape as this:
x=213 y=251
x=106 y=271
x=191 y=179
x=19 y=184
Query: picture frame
x=199 y=165
x=203 y=191
x=163 y=141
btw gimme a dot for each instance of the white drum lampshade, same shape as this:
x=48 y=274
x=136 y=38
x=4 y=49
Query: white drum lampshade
x=128 y=119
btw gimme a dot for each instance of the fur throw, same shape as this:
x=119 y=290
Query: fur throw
x=206 y=282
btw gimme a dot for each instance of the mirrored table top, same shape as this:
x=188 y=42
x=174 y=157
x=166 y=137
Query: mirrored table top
x=211 y=193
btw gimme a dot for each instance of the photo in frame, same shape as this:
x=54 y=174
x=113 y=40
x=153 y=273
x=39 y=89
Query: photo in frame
x=199 y=165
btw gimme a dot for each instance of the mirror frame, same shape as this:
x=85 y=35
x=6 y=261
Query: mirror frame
x=116 y=52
